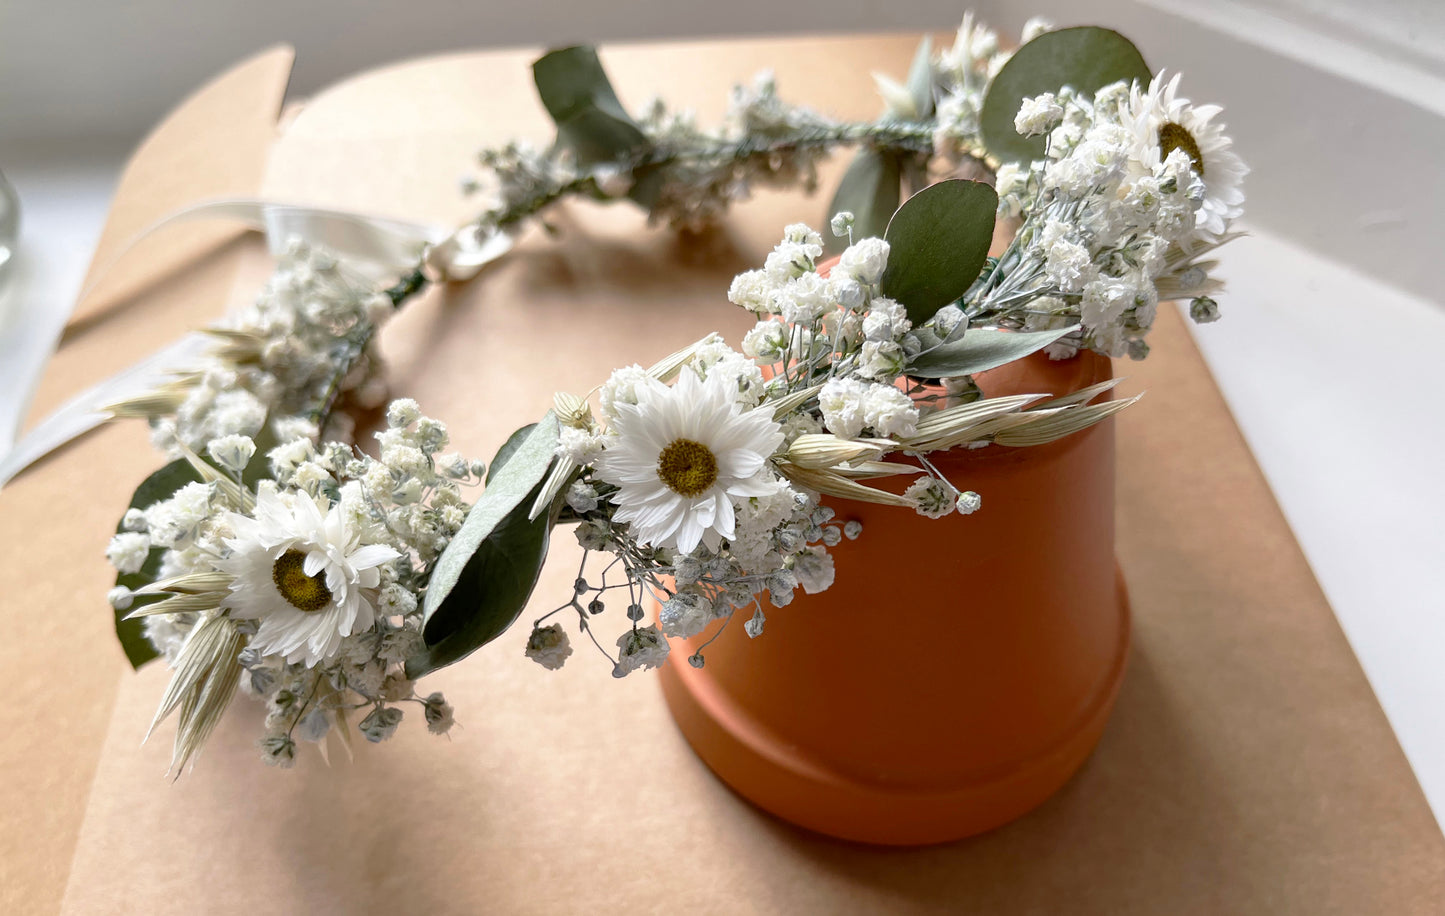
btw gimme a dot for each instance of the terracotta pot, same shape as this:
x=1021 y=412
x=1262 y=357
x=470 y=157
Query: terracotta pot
x=959 y=670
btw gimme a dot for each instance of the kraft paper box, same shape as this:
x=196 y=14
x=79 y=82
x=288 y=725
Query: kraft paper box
x=1247 y=768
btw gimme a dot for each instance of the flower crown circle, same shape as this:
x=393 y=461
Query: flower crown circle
x=274 y=557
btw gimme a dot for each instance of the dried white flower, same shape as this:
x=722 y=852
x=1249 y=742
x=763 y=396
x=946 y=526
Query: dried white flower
x=128 y=551
x=232 y=452
x=640 y=649
x=548 y=646
x=933 y=497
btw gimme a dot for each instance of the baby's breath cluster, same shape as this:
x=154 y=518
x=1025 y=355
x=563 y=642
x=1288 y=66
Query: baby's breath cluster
x=285 y=360
x=1137 y=186
x=313 y=578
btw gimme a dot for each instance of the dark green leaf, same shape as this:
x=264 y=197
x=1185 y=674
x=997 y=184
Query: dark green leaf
x=159 y=486
x=482 y=581
x=915 y=172
x=163 y=484
x=259 y=467
x=938 y=242
x=596 y=137
x=1086 y=58
x=131 y=633
x=870 y=191
x=570 y=80
x=578 y=95
x=920 y=79
x=979 y=350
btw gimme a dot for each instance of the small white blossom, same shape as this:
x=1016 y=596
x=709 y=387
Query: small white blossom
x=438 y=713
x=814 y=569
x=581 y=446
x=1068 y=266
x=1038 y=115
x=1203 y=310
x=120 y=598
x=174 y=521
x=232 y=452
x=889 y=411
x=402 y=412
x=622 y=387
x=128 y=551
x=548 y=646
x=932 y=497
x=380 y=724
x=133 y=520
x=640 y=649
x=766 y=342
x=753 y=290
x=969 y=502
x=864 y=261
x=841 y=401
x=685 y=615
x=886 y=320
x=581 y=497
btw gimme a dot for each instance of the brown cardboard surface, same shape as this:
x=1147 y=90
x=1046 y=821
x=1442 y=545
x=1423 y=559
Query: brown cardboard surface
x=206 y=149
x=60 y=655
x=1247 y=768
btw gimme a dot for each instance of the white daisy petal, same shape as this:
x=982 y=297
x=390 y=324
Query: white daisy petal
x=297 y=569
x=678 y=455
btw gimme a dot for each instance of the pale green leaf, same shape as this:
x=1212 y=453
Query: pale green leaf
x=979 y=350
x=870 y=190
x=1086 y=58
x=578 y=95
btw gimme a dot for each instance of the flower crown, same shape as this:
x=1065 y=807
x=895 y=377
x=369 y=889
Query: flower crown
x=275 y=558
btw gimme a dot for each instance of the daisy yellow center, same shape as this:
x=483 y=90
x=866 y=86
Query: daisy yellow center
x=688 y=468
x=1172 y=137
x=305 y=593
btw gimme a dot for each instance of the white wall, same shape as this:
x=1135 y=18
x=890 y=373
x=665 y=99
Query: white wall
x=1341 y=114
x=85 y=69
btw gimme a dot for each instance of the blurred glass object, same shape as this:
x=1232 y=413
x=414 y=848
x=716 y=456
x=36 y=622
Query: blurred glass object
x=9 y=225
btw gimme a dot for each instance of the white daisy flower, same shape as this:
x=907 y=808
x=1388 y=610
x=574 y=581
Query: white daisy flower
x=298 y=568
x=1162 y=122
x=680 y=454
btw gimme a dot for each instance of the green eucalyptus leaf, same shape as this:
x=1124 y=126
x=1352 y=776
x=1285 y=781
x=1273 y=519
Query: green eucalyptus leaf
x=1086 y=58
x=938 y=242
x=160 y=485
x=514 y=442
x=979 y=350
x=578 y=95
x=597 y=137
x=920 y=79
x=870 y=190
x=481 y=582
